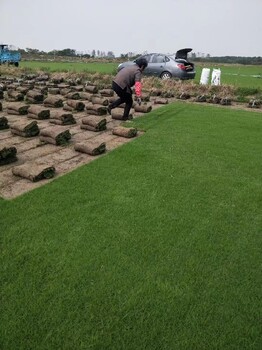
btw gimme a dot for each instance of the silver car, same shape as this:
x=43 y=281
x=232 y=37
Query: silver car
x=167 y=66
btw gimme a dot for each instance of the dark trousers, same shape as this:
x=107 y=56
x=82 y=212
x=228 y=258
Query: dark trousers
x=124 y=97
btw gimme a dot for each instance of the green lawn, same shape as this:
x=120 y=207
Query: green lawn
x=156 y=245
x=237 y=75
x=78 y=67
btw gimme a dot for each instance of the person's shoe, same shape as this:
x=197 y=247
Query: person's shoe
x=128 y=118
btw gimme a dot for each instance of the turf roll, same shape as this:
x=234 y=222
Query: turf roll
x=8 y=155
x=55 y=135
x=25 y=128
x=93 y=148
x=124 y=132
x=34 y=172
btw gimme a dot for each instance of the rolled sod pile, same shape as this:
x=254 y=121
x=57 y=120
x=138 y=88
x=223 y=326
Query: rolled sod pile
x=93 y=123
x=92 y=148
x=8 y=155
x=34 y=172
x=25 y=128
x=38 y=112
x=4 y=123
x=55 y=135
x=17 y=108
x=125 y=132
x=62 y=118
x=53 y=101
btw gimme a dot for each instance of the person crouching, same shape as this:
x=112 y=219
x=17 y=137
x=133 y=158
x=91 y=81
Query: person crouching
x=125 y=79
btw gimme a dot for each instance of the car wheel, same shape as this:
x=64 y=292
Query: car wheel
x=166 y=75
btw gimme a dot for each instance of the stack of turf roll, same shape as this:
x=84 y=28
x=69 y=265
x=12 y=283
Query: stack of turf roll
x=160 y=101
x=214 y=99
x=4 y=123
x=184 y=96
x=23 y=89
x=85 y=95
x=38 y=112
x=63 y=86
x=253 y=103
x=14 y=96
x=201 y=98
x=34 y=96
x=117 y=113
x=225 y=101
x=143 y=108
x=145 y=97
x=34 y=172
x=73 y=105
x=8 y=155
x=107 y=92
x=25 y=128
x=91 y=147
x=65 y=91
x=17 y=108
x=41 y=89
x=77 y=88
x=91 y=88
x=93 y=123
x=54 y=91
x=55 y=135
x=53 y=101
x=124 y=132
x=156 y=92
x=95 y=109
x=99 y=100
x=74 y=95
x=61 y=118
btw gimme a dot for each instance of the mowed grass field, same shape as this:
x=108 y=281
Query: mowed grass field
x=156 y=245
x=237 y=75
x=77 y=67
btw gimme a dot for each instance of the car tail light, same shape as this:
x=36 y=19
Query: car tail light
x=181 y=66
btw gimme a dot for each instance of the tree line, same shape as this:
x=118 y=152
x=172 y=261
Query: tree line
x=230 y=59
x=195 y=57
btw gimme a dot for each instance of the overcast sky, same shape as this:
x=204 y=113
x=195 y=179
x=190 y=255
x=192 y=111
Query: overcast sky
x=215 y=27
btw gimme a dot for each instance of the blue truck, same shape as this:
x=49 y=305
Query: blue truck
x=8 y=56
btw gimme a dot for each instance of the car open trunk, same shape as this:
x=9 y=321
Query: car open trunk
x=181 y=56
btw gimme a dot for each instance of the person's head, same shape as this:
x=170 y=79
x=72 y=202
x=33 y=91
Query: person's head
x=141 y=62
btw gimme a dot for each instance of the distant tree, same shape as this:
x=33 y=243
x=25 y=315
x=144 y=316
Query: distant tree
x=86 y=55
x=93 y=53
x=66 y=52
x=32 y=51
x=110 y=54
x=230 y=59
x=22 y=51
